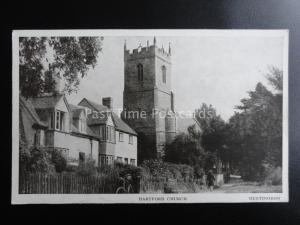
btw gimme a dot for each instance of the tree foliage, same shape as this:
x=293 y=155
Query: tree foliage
x=255 y=138
x=185 y=148
x=250 y=142
x=213 y=129
x=67 y=58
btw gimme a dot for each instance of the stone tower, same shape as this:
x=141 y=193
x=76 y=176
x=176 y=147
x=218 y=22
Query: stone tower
x=147 y=93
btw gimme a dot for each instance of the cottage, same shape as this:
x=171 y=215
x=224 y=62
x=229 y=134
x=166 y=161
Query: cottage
x=49 y=121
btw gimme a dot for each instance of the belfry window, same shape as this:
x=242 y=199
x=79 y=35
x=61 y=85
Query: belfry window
x=140 y=72
x=164 y=74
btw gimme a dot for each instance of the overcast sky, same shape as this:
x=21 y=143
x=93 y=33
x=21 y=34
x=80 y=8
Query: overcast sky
x=212 y=69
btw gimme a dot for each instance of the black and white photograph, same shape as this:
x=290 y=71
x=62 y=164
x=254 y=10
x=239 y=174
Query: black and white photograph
x=150 y=116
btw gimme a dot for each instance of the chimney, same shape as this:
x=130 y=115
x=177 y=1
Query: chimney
x=108 y=102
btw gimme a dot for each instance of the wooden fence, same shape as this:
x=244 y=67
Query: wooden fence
x=38 y=183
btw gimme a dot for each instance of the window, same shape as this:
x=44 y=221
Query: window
x=59 y=120
x=130 y=139
x=119 y=159
x=121 y=137
x=107 y=133
x=140 y=72
x=102 y=133
x=81 y=157
x=42 y=138
x=49 y=139
x=106 y=159
x=37 y=137
x=126 y=160
x=164 y=74
x=132 y=161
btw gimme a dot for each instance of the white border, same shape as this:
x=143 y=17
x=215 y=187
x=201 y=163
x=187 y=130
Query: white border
x=17 y=198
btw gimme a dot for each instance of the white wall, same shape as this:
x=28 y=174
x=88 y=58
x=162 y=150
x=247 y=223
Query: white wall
x=76 y=144
x=61 y=106
x=124 y=149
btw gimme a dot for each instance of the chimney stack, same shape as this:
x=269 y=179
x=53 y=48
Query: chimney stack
x=108 y=102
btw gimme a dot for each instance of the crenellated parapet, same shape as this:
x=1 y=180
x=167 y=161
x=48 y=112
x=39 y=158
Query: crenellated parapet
x=147 y=51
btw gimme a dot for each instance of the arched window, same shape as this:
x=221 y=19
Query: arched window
x=140 y=72
x=164 y=74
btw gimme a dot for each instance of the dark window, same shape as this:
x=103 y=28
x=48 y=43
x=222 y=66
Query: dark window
x=59 y=120
x=132 y=161
x=37 y=137
x=119 y=159
x=164 y=74
x=140 y=72
x=81 y=157
x=130 y=139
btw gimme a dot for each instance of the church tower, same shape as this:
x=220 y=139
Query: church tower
x=147 y=93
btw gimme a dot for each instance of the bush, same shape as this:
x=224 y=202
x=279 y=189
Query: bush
x=158 y=168
x=59 y=161
x=40 y=161
x=88 y=168
x=124 y=169
x=274 y=176
x=71 y=168
x=24 y=159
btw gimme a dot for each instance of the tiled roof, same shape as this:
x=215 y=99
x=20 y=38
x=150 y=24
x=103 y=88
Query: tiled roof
x=28 y=107
x=89 y=132
x=119 y=123
x=97 y=106
x=98 y=119
x=46 y=102
x=76 y=110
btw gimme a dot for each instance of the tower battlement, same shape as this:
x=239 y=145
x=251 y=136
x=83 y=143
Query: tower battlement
x=147 y=51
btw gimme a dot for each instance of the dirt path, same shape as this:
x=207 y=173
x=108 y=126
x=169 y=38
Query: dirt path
x=248 y=188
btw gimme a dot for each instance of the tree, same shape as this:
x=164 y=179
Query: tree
x=186 y=149
x=67 y=58
x=255 y=138
x=213 y=134
x=145 y=148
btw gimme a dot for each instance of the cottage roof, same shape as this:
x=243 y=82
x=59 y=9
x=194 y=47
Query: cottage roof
x=119 y=123
x=27 y=107
x=89 y=132
x=76 y=110
x=46 y=102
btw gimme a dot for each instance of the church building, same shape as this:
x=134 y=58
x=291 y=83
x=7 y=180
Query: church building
x=148 y=90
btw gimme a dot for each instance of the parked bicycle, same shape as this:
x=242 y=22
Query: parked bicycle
x=126 y=186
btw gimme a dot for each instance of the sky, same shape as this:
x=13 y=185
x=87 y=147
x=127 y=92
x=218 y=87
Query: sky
x=217 y=70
